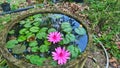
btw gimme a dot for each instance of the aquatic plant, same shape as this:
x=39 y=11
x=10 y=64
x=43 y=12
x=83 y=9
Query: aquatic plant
x=54 y=37
x=61 y=55
x=39 y=39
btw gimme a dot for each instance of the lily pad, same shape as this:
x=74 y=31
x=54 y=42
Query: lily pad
x=46 y=42
x=18 y=49
x=33 y=43
x=36 y=24
x=27 y=25
x=22 y=31
x=66 y=27
x=11 y=32
x=44 y=29
x=21 y=38
x=34 y=49
x=22 y=22
x=51 y=30
x=75 y=52
x=11 y=43
x=41 y=35
x=44 y=48
x=71 y=37
x=34 y=29
x=34 y=59
x=80 y=31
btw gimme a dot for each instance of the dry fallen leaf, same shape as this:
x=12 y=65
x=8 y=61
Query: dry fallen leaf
x=112 y=60
x=118 y=43
x=115 y=65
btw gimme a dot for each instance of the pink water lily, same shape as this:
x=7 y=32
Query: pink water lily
x=61 y=55
x=54 y=37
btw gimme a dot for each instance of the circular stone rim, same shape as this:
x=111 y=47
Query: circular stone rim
x=22 y=64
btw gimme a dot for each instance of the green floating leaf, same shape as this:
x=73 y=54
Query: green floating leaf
x=44 y=48
x=30 y=35
x=28 y=56
x=65 y=41
x=18 y=49
x=34 y=59
x=46 y=42
x=11 y=32
x=37 y=19
x=30 y=18
x=34 y=49
x=66 y=27
x=34 y=29
x=51 y=30
x=80 y=31
x=44 y=29
x=23 y=31
x=68 y=30
x=27 y=32
x=33 y=43
x=21 y=38
x=41 y=35
x=11 y=43
x=53 y=63
x=36 y=24
x=71 y=37
x=22 y=22
x=37 y=16
x=75 y=52
x=27 y=25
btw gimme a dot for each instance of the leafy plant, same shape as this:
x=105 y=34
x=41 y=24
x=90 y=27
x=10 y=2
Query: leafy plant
x=41 y=35
x=37 y=16
x=21 y=38
x=30 y=35
x=34 y=59
x=14 y=6
x=75 y=52
x=11 y=32
x=33 y=43
x=34 y=49
x=34 y=29
x=23 y=31
x=22 y=22
x=46 y=42
x=36 y=24
x=11 y=43
x=53 y=63
x=67 y=39
x=44 y=48
x=44 y=29
x=51 y=30
x=38 y=20
x=80 y=31
x=66 y=27
x=71 y=37
x=27 y=25
x=2 y=61
x=18 y=49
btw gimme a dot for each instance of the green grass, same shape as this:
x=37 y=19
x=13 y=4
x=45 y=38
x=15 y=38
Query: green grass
x=105 y=14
